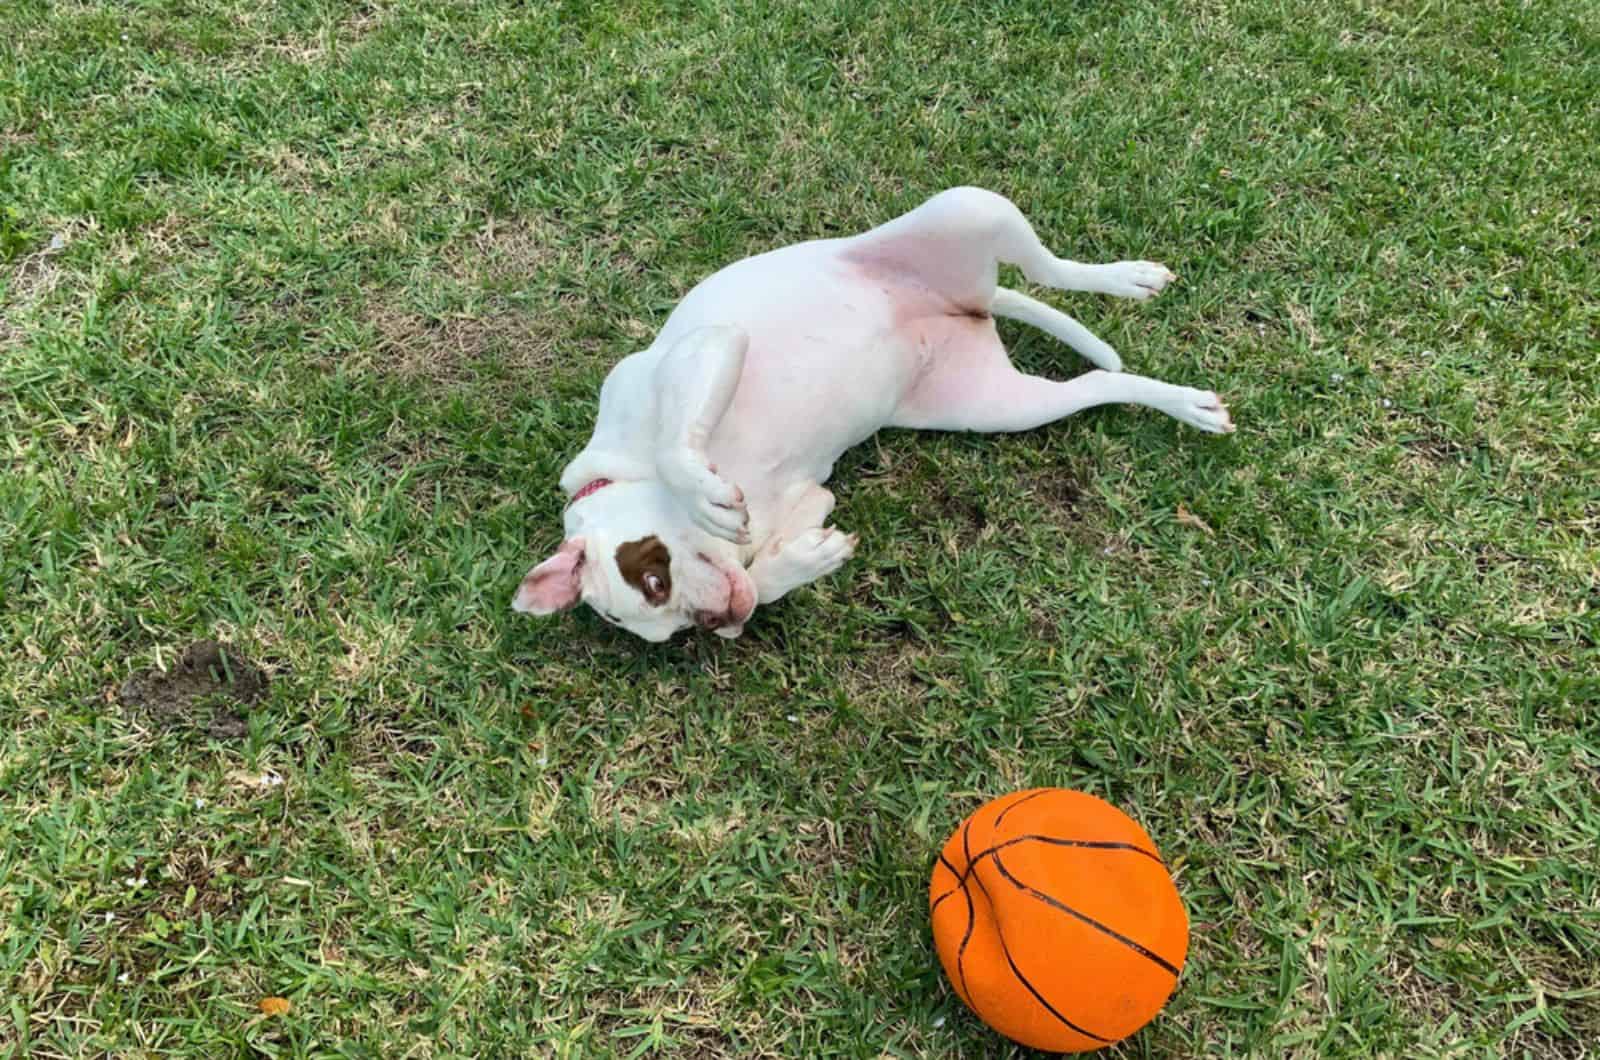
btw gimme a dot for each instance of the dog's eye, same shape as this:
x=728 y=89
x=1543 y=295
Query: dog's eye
x=654 y=586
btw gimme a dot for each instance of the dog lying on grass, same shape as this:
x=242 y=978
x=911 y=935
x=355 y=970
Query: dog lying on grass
x=700 y=494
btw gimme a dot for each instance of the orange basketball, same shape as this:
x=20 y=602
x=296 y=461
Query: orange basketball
x=1056 y=920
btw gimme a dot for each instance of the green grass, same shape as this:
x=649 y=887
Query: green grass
x=304 y=304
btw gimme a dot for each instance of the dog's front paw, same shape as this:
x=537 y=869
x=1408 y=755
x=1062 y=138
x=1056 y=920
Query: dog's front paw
x=1136 y=279
x=716 y=505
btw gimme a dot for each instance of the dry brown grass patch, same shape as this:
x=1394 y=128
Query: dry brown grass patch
x=33 y=277
x=456 y=348
x=887 y=676
x=515 y=249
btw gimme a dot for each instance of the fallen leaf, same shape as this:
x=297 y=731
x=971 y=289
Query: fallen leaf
x=1188 y=518
x=269 y=779
x=274 y=1006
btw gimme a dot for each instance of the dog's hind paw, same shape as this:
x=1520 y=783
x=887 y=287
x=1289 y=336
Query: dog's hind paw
x=1203 y=409
x=1136 y=279
x=789 y=564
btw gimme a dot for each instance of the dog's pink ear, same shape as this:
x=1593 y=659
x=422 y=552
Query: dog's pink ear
x=553 y=585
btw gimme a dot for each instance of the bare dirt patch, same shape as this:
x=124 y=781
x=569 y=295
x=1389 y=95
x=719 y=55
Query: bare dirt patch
x=969 y=515
x=211 y=684
x=1437 y=448
x=1059 y=490
x=1069 y=503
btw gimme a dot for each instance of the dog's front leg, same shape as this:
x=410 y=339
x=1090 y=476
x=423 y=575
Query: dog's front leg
x=695 y=381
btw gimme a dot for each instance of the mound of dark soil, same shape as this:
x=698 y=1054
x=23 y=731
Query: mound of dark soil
x=211 y=684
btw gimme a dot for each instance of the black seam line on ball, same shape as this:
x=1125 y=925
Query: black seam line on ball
x=960 y=884
x=961 y=972
x=995 y=851
x=1006 y=950
x=972 y=913
x=1055 y=903
x=1019 y=802
x=1087 y=844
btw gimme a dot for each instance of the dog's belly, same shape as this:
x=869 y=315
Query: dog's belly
x=835 y=347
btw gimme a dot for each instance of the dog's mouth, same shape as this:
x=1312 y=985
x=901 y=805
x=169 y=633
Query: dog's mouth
x=712 y=620
x=740 y=601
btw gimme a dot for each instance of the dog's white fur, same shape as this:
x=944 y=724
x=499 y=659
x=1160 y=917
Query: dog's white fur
x=717 y=439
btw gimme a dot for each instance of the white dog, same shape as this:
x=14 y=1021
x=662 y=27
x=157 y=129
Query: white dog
x=700 y=493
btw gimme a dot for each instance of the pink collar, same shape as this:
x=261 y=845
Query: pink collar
x=593 y=487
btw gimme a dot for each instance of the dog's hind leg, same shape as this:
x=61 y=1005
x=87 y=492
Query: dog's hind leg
x=954 y=242
x=974 y=387
x=800 y=550
x=1017 y=306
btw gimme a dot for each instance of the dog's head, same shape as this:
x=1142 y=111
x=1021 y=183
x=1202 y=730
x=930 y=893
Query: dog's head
x=632 y=554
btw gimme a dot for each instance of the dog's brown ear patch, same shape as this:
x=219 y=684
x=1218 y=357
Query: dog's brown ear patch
x=646 y=564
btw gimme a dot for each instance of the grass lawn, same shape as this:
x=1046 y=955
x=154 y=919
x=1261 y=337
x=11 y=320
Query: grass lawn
x=304 y=304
